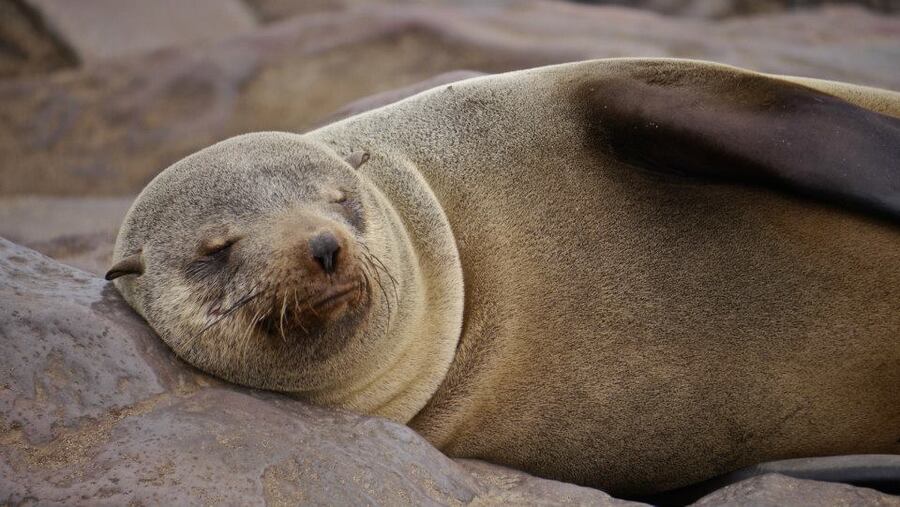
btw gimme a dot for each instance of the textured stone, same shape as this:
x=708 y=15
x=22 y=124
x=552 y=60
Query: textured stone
x=270 y=10
x=26 y=46
x=78 y=231
x=781 y=491
x=107 y=128
x=98 y=29
x=94 y=409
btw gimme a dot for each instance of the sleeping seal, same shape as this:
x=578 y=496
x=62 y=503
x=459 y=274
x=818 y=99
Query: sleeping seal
x=628 y=274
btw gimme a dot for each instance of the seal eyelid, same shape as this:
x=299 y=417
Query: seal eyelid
x=211 y=248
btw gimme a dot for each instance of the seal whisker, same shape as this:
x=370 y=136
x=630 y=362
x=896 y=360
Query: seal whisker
x=298 y=310
x=374 y=258
x=377 y=278
x=309 y=305
x=369 y=278
x=227 y=313
x=248 y=334
x=385 y=269
x=313 y=310
x=281 y=319
x=379 y=267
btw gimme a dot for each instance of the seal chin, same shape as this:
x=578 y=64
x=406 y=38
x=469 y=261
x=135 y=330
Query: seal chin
x=334 y=307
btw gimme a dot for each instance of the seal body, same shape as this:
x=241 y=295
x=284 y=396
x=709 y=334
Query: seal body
x=638 y=296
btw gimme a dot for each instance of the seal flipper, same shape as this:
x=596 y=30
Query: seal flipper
x=725 y=124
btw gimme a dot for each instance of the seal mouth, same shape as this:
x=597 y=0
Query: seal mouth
x=310 y=316
x=333 y=297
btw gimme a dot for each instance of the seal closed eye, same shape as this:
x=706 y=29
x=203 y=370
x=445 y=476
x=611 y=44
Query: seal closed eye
x=628 y=274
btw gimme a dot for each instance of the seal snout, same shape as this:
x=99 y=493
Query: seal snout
x=316 y=279
x=324 y=249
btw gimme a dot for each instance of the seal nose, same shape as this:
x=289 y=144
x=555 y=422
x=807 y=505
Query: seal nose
x=324 y=248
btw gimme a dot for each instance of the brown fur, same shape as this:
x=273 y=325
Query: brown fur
x=624 y=328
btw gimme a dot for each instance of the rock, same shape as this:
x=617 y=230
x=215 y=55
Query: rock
x=873 y=471
x=109 y=127
x=98 y=29
x=781 y=491
x=26 y=46
x=273 y=10
x=728 y=8
x=94 y=409
x=382 y=99
x=78 y=231
x=270 y=10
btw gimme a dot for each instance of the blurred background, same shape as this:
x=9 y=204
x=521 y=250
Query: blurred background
x=98 y=96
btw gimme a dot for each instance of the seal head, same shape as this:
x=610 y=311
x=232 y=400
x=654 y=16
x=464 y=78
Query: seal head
x=268 y=260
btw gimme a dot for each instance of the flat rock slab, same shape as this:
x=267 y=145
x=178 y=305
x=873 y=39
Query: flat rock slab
x=94 y=409
x=99 y=29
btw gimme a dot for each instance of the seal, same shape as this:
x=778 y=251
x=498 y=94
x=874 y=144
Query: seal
x=631 y=274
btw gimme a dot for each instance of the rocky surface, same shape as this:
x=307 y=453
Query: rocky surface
x=108 y=127
x=78 y=231
x=717 y=9
x=773 y=490
x=27 y=46
x=99 y=29
x=94 y=409
x=270 y=10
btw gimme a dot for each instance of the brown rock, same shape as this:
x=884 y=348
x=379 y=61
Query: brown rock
x=108 y=128
x=26 y=46
x=80 y=232
x=94 y=409
x=273 y=10
x=98 y=29
x=270 y=10
x=781 y=491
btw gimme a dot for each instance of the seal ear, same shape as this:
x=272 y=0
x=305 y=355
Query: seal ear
x=721 y=123
x=357 y=159
x=131 y=265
